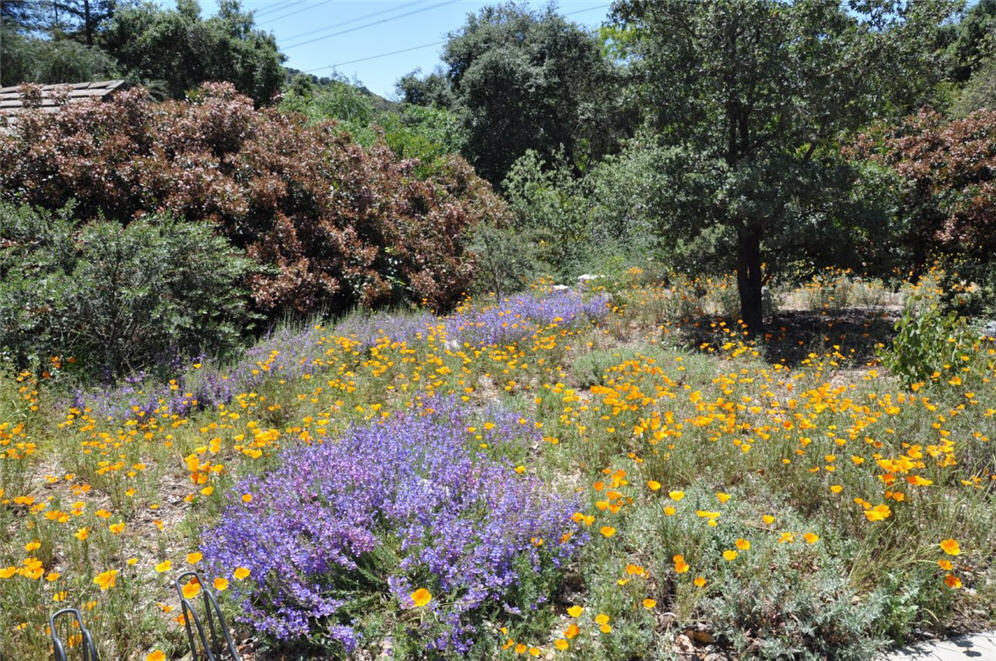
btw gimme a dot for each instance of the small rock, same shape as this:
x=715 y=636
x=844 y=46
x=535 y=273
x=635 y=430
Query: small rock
x=703 y=637
x=587 y=279
x=715 y=656
x=683 y=645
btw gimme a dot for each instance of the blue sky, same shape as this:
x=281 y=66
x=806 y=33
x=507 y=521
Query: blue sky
x=305 y=31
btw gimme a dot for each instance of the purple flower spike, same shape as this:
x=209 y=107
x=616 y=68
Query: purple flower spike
x=389 y=507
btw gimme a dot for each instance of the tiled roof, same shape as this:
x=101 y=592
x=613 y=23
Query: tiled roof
x=12 y=102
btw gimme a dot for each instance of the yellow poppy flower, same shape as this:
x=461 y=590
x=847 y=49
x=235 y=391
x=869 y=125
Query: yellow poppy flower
x=421 y=597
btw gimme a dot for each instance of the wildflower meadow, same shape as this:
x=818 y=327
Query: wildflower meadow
x=603 y=474
x=609 y=331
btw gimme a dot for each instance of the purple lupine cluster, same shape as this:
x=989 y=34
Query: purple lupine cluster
x=386 y=509
x=521 y=316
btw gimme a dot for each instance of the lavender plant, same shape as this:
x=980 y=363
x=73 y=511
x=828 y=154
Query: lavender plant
x=358 y=523
x=521 y=316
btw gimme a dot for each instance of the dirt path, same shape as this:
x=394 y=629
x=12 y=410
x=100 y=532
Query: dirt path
x=981 y=646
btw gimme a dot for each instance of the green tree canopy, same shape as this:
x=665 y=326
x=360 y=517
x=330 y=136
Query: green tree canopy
x=27 y=55
x=980 y=90
x=431 y=90
x=971 y=39
x=523 y=80
x=751 y=96
x=31 y=59
x=176 y=50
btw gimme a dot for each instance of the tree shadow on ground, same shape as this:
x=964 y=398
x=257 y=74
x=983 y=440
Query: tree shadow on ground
x=791 y=336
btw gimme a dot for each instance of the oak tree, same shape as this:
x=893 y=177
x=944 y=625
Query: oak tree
x=752 y=97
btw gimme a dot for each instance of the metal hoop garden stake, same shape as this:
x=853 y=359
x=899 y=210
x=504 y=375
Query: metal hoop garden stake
x=86 y=641
x=213 y=651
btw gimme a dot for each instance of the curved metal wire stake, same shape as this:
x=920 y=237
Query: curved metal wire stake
x=89 y=650
x=214 y=650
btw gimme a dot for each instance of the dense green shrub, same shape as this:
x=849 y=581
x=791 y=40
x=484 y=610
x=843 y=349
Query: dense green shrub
x=506 y=258
x=547 y=206
x=117 y=300
x=340 y=225
x=930 y=342
x=49 y=61
x=979 y=92
x=339 y=100
x=430 y=135
x=586 y=224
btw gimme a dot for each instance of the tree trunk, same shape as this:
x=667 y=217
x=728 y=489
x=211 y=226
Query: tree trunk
x=88 y=22
x=749 y=278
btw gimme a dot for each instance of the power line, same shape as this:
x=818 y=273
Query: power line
x=581 y=11
x=280 y=5
x=367 y=25
x=374 y=57
x=354 y=20
x=435 y=43
x=394 y=52
x=296 y=11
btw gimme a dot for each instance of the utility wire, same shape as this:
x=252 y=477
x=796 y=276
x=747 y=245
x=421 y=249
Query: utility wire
x=296 y=11
x=354 y=20
x=435 y=43
x=394 y=52
x=374 y=57
x=367 y=25
x=280 y=5
x=581 y=11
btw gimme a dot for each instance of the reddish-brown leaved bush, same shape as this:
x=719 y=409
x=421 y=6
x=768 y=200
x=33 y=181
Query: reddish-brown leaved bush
x=338 y=225
x=951 y=167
